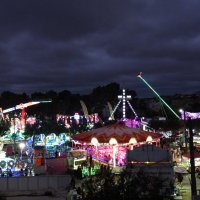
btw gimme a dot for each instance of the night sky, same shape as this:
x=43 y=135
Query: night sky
x=78 y=45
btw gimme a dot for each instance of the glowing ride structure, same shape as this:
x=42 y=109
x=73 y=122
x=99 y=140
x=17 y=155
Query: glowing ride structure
x=135 y=122
x=186 y=115
x=108 y=144
x=88 y=119
x=140 y=76
x=22 y=107
x=122 y=98
x=17 y=124
x=15 y=134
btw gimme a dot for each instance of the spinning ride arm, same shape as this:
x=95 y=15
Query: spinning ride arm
x=140 y=76
x=85 y=110
x=22 y=107
x=111 y=111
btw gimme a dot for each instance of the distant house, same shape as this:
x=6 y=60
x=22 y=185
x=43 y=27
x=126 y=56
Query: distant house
x=153 y=161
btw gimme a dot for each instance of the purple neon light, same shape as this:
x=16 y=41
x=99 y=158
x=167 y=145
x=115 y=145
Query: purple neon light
x=190 y=115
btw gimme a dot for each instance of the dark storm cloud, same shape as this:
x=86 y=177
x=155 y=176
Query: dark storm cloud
x=79 y=45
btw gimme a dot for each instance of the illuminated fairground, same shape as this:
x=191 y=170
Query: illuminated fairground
x=26 y=155
x=19 y=152
x=108 y=145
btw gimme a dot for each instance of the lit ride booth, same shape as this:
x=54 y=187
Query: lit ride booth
x=76 y=158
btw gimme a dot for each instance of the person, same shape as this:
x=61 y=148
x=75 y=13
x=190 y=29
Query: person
x=26 y=171
x=198 y=173
x=90 y=160
x=79 y=172
x=56 y=154
x=79 y=191
x=70 y=194
x=10 y=173
x=180 y=179
x=21 y=172
x=74 y=194
x=90 y=164
x=0 y=171
x=72 y=183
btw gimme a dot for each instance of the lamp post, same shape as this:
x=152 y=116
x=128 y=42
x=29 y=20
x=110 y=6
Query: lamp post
x=95 y=142
x=113 y=142
x=184 y=121
x=21 y=146
x=14 y=135
x=192 y=160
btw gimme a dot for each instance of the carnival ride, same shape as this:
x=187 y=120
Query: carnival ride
x=6 y=163
x=124 y=99
x=87 y=119
x=22 y=107
x=84 y=108
x=184 y=114
x=135 y=122
x=94 y=118
x=162 y=100
x=112 y=117
x=109 y=143
x=15 y=135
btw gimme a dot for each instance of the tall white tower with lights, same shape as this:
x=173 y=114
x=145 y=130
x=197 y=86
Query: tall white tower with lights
x=124 y=99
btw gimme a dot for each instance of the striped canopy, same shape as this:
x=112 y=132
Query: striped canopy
x=119 y=131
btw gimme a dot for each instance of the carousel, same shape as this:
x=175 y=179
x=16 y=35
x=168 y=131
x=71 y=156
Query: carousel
x=108 y=144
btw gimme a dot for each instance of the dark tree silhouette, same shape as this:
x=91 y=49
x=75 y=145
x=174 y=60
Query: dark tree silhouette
x=4 y=126
x=166 y=125
x=125 y=186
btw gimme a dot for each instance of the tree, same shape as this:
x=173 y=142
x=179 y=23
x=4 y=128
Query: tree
x=125 y=186
x=166 y=125
x=4 y=126
x=9 y=99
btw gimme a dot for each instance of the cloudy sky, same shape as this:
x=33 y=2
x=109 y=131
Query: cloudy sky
x=77 y=45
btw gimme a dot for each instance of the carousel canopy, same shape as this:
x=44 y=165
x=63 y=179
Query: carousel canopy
x=119 y=131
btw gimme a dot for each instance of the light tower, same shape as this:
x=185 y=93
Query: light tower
x=123 y=98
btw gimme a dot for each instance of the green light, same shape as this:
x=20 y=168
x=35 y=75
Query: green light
x=85 y=172
x=159 y=96
x=94 y=170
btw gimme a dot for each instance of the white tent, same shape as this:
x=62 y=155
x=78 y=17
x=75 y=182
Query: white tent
x=148 y=153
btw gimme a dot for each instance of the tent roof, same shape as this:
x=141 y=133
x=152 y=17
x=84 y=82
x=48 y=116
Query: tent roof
x=118 y=131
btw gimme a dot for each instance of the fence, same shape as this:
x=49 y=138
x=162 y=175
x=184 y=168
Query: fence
x=34 y=183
